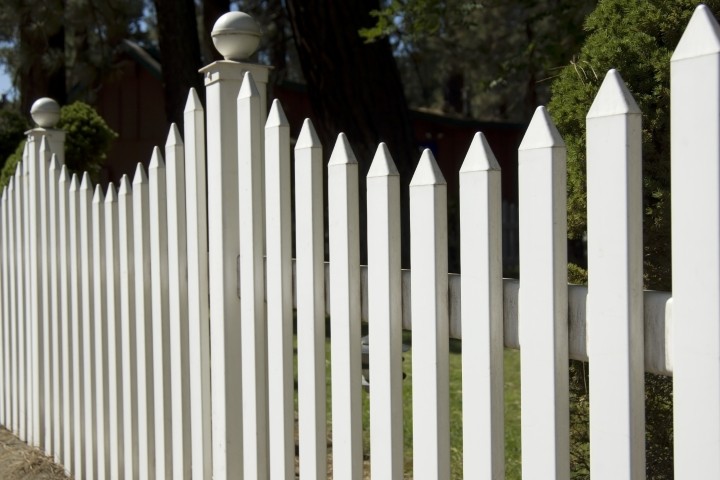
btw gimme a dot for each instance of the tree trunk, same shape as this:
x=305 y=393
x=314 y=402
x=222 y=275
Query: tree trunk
x=180 y=54
x=212 y=10
x=355 y=88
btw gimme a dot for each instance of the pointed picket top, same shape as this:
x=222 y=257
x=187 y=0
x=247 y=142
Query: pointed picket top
x=26 y=151
x=701 y=37
x=541 y=133
x=193 y=103
x=64 y=175
x=427 y=171
x=248 y=88
x=54 y=163
x=613 y=98
x=308 y=137
x=382 y=164
x=342 y=153
x=86 y=184
x=74 y=183
x=276 y=117
x=174 y=138
x=44 y=145
x=480 y=157
x=19 y=170
x=98 y=197
x=125 y=188
x=111 y=195
x=156 y=161
x=140 y=175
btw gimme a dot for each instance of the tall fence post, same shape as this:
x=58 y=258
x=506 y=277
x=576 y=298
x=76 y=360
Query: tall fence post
x=233 y=34
x=482 y=312
x=543 y=305
x=615 y=299
x=310 y=281
x=430 y=333
x=695 y=166
x=55 y=312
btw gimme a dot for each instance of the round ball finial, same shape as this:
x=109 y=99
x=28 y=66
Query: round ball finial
x=45 y=112
x=236 y=35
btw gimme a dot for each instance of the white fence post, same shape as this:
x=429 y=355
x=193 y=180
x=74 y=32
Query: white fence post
x=76 y=348
x=128 y=327
x=197 y=289
x=343 y=228
x=695 y=165
x=279 y=295
x=482 y=312
x=160 y=319
x=143 y=326
x=44 y=345
x=385 y=313
x=58 y=386
x=310 y=284
x=430 y=333
x=543 y=301
x=252 y=282
x=100 y=321
x=615 y=299
x=115 y=429
x=178 y=306
x=34 y=297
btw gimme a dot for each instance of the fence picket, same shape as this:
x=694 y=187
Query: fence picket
x=481 y=312
x=279 y=295
x=12 y=247
x=115 y=431
x=615 y=299
x=55 y=312
x=100 y=339
x=384 y=308
x=128 y=328
x=66 y=335
x=543 y=301
x=34 y=297
x=6 y=318
x=197 y=289
x=44 y=344
x=343 y=225
x=157 y=189
x=78 y=366
x=179 y=367
x=429 y=305
x=252 y=282
x=695 y=173
x=310 y=284
x=143 y=326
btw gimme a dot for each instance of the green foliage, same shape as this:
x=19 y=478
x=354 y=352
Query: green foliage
x=86 y=144
x=12 y=131
x=636 y=38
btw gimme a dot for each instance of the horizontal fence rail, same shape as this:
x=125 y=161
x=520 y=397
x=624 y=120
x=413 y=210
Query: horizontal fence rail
x=161 y=329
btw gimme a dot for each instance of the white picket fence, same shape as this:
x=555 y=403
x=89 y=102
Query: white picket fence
x=147 y=331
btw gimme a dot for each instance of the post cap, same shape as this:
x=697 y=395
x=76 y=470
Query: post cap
x=236 y=35
x=45 y=112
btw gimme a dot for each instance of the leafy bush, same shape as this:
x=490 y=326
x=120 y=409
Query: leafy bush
x=88 y=140
x=12 y=131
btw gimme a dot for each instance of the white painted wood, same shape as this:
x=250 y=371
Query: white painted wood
x=384 y=307
x=6 y=318
x=100 y=322
x=26 y=318
x=34 y=297
x=88 y=328
x=343 y=228
x=55 y=311
x=310 y=274
x=179 y=367
x=543 y=301
x=279 y=295
x=197 y=290
x=76 y=329
x=12 y=247
x=695 y=168
x=615 y=266
x=481 y=312
x=143 y=327
x=222 y=83
x=67 y=377
x=157 y=189
x=252 y=282
x=115 y=430
x=428 y=257
x=128 y=328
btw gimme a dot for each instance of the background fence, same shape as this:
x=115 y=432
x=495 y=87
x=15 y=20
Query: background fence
x=147 y=330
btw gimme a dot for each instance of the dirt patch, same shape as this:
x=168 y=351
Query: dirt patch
x=18 y=461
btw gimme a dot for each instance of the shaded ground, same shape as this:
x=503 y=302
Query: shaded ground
x=18 y=461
